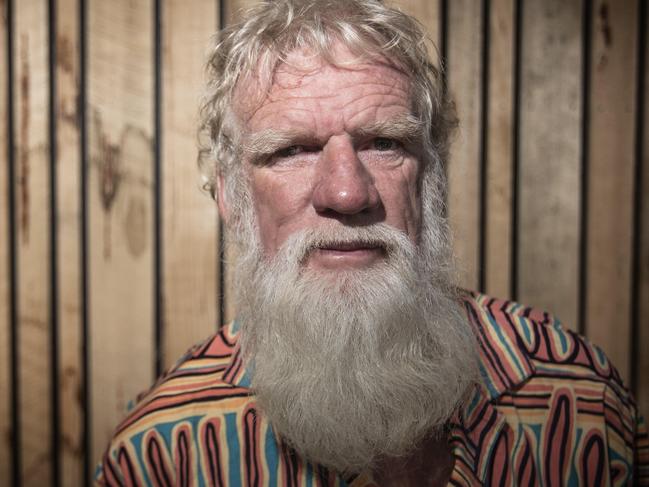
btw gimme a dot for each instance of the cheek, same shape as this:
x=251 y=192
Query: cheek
x=278 y=201
x=402 y=199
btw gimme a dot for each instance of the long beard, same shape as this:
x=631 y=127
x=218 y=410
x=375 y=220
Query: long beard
x=353 y=366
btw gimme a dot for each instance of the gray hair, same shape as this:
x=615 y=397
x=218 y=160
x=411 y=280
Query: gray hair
x=274 y=28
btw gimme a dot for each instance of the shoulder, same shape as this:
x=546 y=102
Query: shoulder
x=194 y=398
x=544 y=377
x=522 y=347
x=197 y=381
x=533 y=338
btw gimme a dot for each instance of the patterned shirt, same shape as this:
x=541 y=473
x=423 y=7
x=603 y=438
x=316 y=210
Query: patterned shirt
x=550 y=410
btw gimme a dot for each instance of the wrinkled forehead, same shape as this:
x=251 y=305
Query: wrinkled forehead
x=304 y=68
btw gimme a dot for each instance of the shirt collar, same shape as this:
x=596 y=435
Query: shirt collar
x=505 y=334
x=236 y=373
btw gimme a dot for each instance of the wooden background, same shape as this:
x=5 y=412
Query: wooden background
x=110 y=257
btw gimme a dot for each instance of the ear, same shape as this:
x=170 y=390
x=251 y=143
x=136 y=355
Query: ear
x=221 y=200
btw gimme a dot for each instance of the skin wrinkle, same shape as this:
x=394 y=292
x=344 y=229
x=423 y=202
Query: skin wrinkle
x=332 y=106
x=238 y=64
x=296 y=113
x=251 y=89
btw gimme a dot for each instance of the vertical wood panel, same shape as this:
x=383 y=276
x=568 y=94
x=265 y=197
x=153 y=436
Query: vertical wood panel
x=32 y=220
x=120 y=120
x=549 y=184
x=5 y=350
x=68 y=167
x=464 y=78
x=498 y=224
x=642 y=265
x=610 y=178
x=189 y=217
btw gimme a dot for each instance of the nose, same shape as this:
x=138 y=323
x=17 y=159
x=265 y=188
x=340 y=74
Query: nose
x=343 y=185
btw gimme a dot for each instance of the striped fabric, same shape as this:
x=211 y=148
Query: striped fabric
x=551 y=410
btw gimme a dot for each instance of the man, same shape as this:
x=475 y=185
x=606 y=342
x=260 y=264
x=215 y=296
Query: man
x=354 y=360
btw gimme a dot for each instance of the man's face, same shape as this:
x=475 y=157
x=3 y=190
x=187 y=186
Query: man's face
x=332 y=146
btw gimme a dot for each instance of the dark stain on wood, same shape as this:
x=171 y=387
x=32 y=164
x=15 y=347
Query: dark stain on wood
x=7 y=436
x=23 y=146
x=70 y=380
x=68 y=111
x=135 y=226
x=605 y=25
x=33 y=322
x=109 y=183
x=108 y=164
x=65 y=53
x=68 y=377
x=71 y=445
x=112 y=176
x=69 y=96
x=109 y=178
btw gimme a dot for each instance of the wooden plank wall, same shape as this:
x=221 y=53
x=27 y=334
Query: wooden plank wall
x=32 y=233
x=121 y=219
x=549 y=159
x=111 y=259
x=69 y=442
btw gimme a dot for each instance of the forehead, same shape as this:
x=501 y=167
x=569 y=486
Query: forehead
x=349 y=91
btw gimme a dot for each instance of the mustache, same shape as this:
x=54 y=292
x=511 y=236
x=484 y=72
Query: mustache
x=299 y=245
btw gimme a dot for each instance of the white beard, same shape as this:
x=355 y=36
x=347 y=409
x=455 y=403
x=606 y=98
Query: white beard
x=353 y=366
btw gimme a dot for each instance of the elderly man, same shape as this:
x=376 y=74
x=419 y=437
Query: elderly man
x=354 y=360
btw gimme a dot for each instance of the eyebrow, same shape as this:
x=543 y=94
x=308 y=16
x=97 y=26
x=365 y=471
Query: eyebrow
x=258 y=145
x=406 y=128
x=269 y=141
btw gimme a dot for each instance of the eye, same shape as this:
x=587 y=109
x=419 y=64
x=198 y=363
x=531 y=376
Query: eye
x=290 y=151
x=293 y=156
x=385 y=144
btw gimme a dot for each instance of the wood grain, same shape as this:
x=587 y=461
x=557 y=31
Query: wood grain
x=499 y=168
x=611 y=179
x=68 y=167
x=464 y=82
x=550 y=150
x=120 y=209
x=190 y=222
x=642 y=265
x=31 y=79
x=5 y=282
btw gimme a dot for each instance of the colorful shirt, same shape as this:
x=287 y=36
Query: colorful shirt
x=550 y=410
